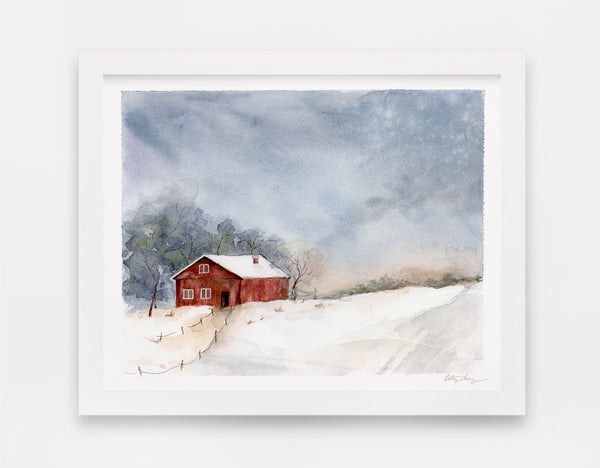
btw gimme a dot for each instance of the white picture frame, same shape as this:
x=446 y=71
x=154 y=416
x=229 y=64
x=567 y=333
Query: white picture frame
x=99 y=188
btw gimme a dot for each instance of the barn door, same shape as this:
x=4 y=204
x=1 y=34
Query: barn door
x=225 y=299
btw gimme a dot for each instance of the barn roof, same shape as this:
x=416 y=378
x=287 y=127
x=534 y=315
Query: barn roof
x=243 y=266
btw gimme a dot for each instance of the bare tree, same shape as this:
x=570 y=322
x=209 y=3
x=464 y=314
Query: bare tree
x=144 y=243
x=253 y=241
x=303 y=266
x=159 y=237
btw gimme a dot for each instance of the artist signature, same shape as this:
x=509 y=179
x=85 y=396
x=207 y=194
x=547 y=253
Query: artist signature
x=462 y=378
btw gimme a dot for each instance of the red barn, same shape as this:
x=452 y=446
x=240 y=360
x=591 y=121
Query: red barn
x=224 y=280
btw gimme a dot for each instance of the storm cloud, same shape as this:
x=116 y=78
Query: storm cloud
x=389 y=178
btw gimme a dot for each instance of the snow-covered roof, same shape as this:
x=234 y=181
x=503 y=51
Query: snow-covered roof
x=243 y=266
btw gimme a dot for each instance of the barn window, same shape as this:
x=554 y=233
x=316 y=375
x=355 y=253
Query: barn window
x=203 y=268
x=188 y=294
x=205 y=293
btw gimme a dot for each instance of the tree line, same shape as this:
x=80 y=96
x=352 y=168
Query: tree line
x=166 y=233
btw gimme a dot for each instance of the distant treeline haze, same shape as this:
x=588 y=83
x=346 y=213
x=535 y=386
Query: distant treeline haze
x=168 y=232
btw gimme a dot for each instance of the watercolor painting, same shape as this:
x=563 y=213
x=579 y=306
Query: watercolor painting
x=302 y=232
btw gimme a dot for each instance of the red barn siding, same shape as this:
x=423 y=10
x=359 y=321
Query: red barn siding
x=217 y=286
x=264 y=289
x=219 y=280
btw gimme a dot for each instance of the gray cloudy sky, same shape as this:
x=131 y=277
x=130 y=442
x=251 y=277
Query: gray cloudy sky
x=389 y=178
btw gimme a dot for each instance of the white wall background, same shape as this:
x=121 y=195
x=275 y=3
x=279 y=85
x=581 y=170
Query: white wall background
x=40 y=426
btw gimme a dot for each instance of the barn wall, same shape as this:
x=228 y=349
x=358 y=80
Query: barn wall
x=264 y=289
x=215 y=271
x=216 y=285
x=218 y=279
x=246 y=291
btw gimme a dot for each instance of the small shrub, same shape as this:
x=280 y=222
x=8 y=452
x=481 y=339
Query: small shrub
x=248 y=322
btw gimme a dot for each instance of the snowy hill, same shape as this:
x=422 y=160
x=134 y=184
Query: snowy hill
x=410 y=330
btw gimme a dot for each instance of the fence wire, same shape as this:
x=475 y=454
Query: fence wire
x=183 y=363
